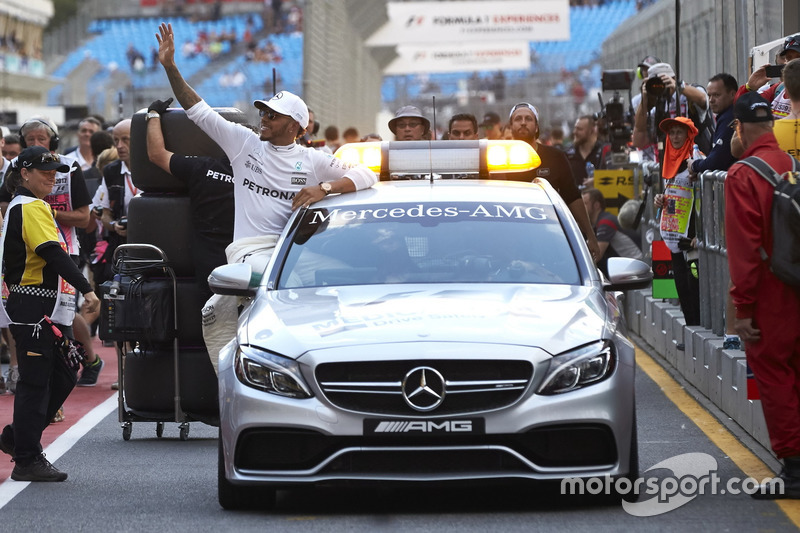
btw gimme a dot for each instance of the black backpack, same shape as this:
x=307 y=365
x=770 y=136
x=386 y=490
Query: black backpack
x=785 y=261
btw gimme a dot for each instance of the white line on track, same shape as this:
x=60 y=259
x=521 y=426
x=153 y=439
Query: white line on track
x=10 y=488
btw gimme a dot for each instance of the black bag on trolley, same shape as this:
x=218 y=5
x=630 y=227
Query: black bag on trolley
x=137 y=308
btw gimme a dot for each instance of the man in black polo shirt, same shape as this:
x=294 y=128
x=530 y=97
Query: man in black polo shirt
x=524 y=122
x=210 y=182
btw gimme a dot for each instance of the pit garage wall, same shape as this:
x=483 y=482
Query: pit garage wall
x=342 y=77
x=716 y=35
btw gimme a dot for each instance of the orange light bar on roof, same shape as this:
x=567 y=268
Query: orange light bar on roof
x=481 y=157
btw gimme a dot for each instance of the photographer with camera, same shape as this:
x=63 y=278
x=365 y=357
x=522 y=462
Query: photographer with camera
x=663 y=96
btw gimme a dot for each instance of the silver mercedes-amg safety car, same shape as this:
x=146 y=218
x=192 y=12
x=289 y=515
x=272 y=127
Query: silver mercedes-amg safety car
x=428 y=330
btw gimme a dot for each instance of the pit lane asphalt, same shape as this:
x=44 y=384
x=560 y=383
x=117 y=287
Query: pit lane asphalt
x=170 y=485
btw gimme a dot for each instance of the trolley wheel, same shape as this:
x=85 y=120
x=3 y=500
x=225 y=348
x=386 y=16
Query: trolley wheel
x=127 y=429
x=159 y=429
x=184 y=431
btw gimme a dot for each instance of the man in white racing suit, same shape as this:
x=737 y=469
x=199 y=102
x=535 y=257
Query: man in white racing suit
x=272 y=174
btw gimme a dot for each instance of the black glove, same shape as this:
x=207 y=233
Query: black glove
x=685 y=244
x=160 y=106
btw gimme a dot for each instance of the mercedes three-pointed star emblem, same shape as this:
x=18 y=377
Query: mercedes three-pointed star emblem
x=423 y=388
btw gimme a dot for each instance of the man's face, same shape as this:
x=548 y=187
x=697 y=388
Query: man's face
x=583 y=131
x=121 y=135
x=85 y=131
x=524 y=126
x=493 y=131
x=462 y=130
x=38 y=137
x=409 y=129
x=277 y=128
x=789 y=55
x=11 y=150
x=719 y=98
x=678 y=135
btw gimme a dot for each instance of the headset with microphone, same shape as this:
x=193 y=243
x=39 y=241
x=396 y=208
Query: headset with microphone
x=54 y=138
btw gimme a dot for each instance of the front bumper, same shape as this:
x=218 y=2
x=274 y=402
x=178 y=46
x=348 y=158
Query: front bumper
x=277 y=441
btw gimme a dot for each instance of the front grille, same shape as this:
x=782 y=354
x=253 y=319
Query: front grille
x=375 y=387
x=289 y=449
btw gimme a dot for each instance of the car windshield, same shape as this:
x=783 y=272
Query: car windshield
x=458 y=242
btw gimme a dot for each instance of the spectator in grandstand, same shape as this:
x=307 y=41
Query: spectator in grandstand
x=678 y=218
x=210 y=182
x=693 y=102
x=776 y=93
x=273 y=175
x=351 y=135
x=586 y=153
x=491 y=125
x=765 y=306
x=463 y=126
x=83 y=152
x=371 y=137
x=11 y=146
x=135 y=58
x=612 y=238
x=35 y=292
x=524 y=125
x=409 y=124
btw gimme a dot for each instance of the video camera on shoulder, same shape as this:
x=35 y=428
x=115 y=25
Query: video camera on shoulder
x=618 y=123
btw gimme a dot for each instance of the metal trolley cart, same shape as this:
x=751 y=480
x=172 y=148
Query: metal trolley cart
x=139 y=315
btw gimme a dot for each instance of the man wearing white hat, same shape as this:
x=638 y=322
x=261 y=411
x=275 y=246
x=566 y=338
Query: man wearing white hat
x=693 y=104
x=272 y=174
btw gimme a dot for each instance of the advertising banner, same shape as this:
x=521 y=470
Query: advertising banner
x=459 y=58
x=473 y=22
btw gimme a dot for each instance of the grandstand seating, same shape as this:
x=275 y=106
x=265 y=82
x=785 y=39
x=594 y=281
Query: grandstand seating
x=111 y=38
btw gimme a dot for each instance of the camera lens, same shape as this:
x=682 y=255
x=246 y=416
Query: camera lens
x=655 y=86
x=123 y=222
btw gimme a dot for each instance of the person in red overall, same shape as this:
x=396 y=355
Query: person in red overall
x=767 y=310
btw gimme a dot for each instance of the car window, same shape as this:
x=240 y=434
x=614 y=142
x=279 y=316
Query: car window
x=461 y=242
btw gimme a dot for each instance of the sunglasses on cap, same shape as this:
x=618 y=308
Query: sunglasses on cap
x=47 y=157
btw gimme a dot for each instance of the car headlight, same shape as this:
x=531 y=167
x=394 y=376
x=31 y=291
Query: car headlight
x=271 y=373
x=579 y=368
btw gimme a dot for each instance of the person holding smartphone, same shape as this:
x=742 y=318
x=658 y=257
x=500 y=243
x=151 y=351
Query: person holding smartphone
x=774 y=94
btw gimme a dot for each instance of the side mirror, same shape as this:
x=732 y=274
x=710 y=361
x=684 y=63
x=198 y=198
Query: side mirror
x=627 y=274
x=235 y=279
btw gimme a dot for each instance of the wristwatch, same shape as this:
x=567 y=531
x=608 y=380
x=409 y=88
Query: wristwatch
x=152 y=114
x=326 y=187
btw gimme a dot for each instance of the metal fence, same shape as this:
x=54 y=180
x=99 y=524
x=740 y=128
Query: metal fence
x=713 y=257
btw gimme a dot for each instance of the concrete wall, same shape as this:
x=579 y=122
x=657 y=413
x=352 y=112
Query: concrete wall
x=342 y=78
x=715 y=35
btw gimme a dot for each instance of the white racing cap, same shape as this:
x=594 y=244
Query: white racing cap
x=287 y=103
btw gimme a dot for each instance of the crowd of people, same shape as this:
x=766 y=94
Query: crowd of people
x=713 y=126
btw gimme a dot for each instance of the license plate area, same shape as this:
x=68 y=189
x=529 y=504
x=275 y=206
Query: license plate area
x=454 y=426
